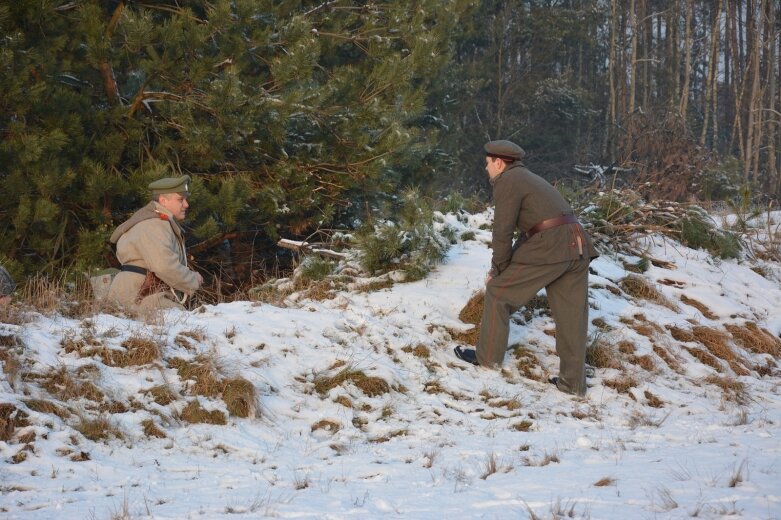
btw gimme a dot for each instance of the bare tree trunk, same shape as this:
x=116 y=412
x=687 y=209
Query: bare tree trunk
x=739 y=80
x=771 y=120
x=609 y=147
x=671 y=50
x=633 y=61
x=753 y=131
x=687 y=45
x=711 y=79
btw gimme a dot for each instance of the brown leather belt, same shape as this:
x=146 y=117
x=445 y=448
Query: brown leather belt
x=551 y=223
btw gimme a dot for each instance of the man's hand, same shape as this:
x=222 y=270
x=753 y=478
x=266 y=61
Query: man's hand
x=200 y=279
x=488 y=277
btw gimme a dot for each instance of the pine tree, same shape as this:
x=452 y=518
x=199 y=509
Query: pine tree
x=285 y=113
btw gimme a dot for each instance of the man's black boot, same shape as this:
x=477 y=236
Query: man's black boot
x=466 y=354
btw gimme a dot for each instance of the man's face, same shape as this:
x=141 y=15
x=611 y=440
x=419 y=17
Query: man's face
x=494 y=166
x=176 y=203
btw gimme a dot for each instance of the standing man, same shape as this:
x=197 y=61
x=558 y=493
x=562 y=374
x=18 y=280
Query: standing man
x=553 y=252
x=150 y=247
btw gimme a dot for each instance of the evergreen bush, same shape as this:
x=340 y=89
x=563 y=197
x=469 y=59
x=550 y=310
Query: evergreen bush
x=413 y=244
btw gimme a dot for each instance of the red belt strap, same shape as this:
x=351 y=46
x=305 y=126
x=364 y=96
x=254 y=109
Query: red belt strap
x=551 y=223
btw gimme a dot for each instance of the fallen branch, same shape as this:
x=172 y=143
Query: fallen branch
x=307 y=248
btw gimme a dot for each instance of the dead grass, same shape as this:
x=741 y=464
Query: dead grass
x=600 y=353
x=327 y=425
x=67 y=387
x=732 y=390
x=200 y=374
x=99 y=428
x=45 y=406
x=240 y=397
x=683 y=335
x=523 y=426
x=152 y=430
x=509 y=404
x=706 y=358
x=621 y=384
x=646 y=362
x=196 y=414
x=472 y=312
x=139 y=350
x=528 y=364
x=699 y=306
x=605 y=481
x=715 y=341
x=369 y=385
x=420 y=351
x=11 y=418
x=626 y=347
x=641 y=288
x=653 y=400
x=344 y=401
x=755 y=339
x=375 y=285
x=161 y=394
x=668 y=358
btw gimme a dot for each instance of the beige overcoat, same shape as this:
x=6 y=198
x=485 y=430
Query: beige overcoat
x=152 y=239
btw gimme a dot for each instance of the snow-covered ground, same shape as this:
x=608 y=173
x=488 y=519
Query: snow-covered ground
x=447 y=440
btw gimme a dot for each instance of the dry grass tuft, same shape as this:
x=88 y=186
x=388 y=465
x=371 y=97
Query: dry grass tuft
x=705 y=357
x=653 y=400
x=626 y=347
x=621 y=384
x=420 y=351
x=699 y=306
x=523 y=426
x=644 y=329
x=194 y=413
x=682 y=335
x=640 y=287
x=203 y=373
x=754 y=339
x=240 y=397
x=344 y=401
x=11 y=418
x=327 y=425
x=44 y=406
x=645 y=362
x=528 y=364
x=605 y=481
x=152 y=430
x=601 y=354
x=715 y=341
x=472 y=312
x=161 y=394
x=66 y=387
x=97 y=429
x=668 y=358
x=732 y=390
x=369 y=385
x=509 y=404
x=139 y=350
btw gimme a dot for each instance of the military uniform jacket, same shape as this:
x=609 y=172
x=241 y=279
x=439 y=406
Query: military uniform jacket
x=151 y=239
x=522 y=200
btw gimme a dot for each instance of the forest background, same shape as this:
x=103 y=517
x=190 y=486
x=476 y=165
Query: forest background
x=296 y=118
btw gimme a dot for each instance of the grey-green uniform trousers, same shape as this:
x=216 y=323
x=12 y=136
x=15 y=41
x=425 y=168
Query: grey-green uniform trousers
x=566 y=284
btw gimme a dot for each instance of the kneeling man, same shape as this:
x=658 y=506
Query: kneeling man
x=150 y=247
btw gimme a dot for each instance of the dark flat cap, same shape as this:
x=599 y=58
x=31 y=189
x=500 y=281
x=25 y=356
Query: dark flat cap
x=171 y=185
x=502 y=149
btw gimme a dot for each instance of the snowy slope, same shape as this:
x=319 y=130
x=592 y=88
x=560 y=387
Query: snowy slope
x=446 y=440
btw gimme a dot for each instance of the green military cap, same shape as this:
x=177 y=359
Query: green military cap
x=171 y=185
x=507 y=150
